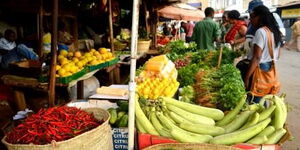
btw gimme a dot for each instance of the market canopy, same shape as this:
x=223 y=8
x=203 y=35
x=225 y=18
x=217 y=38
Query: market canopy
x=181 y=12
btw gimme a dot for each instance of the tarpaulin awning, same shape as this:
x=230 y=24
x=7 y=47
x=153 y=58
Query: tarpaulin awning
x=177 y=12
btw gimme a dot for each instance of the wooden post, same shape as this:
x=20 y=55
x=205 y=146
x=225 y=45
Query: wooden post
x=20 y=99
x=40 y=30
x=80 y=89
x=75 y=31
x=111 y=33
x=156 y=19
x=53 y=54
x=220 y=57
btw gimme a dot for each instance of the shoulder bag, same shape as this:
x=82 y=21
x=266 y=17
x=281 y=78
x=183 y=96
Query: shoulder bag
x=263 y=82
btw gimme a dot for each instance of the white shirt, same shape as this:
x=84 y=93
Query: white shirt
x=261 y=40
x=6 y=45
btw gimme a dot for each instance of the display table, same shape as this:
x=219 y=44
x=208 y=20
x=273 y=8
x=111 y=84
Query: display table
x=18 y=82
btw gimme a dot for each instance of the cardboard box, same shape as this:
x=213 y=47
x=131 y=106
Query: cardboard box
x=120 y=138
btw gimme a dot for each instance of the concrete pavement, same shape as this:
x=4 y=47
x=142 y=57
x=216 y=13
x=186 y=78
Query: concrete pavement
x=289 y=75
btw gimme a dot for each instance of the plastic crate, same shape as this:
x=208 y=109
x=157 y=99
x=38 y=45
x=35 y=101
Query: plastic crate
x=65 y=80
x=112 y=62
x=68 y=79
x=95 y=67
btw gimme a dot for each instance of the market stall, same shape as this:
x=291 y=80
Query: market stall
x=185 y=97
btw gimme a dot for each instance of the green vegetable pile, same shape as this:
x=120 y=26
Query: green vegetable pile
x=179 y=48
x=186 y=75
x=223 y=87
x=119 y=116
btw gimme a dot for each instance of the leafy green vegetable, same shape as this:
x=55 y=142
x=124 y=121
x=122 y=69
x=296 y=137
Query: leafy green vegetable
x=187 y=94
x=225 y=85
x=180 y=47
x=186 y=75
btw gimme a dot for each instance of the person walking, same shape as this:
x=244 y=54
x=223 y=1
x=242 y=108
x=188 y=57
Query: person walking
x=294 y=43
x=189 y=31
x=225 y=25
x=236 y=36
x=206 y=31
x=265 y=51
x=182 y=31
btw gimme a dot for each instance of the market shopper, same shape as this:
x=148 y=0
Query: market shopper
x=236 y=36
x=262 y=19
x=182 y=31
x=189 y=31
x=225 y=25
x=11 y=52
x=294 y=43
x=206 y=31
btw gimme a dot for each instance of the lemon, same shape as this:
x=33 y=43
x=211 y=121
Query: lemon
x=60 y=57
x=68 y=74
x=63 y=52
x=73 y=69
x=57 y=67
x=64 y=61
x=70 y=54
x=109 y=55
x=93 y=50
x=87 y=55
x=67 y=67
x=102 y=50
x=75 y=59
x=61 y=72
x=94 y=62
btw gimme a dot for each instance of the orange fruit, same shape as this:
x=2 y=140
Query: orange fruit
x=77 y=54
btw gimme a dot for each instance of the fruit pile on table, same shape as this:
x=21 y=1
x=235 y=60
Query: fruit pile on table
x=73 y=62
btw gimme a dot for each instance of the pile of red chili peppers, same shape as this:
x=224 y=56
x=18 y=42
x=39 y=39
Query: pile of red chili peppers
x=56 y=123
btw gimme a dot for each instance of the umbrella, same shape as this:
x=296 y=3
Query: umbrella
x=181 y=12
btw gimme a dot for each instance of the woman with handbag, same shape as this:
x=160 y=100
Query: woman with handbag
x=261 y=76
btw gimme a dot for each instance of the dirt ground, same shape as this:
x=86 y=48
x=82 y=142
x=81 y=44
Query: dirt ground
x=289 y=74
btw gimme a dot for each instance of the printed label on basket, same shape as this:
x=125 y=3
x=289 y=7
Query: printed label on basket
x=120 y=138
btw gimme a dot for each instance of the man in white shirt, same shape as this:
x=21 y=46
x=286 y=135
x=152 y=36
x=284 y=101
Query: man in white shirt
x=11 y=52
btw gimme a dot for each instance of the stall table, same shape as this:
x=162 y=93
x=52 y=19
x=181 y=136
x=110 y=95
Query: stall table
x=18 y=82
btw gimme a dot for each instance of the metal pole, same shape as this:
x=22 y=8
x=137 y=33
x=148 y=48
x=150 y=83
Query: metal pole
x=111 y=33
x=132 y=84
x=53 y=54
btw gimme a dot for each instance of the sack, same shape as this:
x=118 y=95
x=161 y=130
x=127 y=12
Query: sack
x=263 y=82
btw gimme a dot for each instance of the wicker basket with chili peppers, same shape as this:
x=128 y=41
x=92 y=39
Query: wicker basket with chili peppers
x=63 y=128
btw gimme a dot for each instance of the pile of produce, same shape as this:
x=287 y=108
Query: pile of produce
x=196 y=124
x=223 y=87
x=152 y=88
x=56 y=123
x=119 y=116
x=124 y=35
x=72 y=62
x=157 y=78
x=189 y=64
x=158 y=67
x=179 y=47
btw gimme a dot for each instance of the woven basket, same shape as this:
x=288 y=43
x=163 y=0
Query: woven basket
x=189 y=146
x=99 y=138
x=143 y=46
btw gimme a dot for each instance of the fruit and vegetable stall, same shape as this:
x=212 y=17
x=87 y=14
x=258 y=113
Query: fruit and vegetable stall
x=181 y=97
